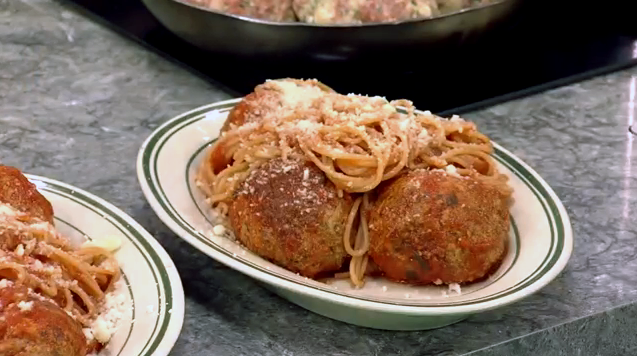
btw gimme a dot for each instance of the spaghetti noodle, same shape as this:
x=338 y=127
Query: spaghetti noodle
x=34 y=255
x=357 y=141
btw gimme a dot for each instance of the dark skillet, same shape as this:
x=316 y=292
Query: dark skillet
x=248 y=37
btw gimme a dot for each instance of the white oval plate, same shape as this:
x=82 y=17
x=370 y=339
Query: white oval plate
x=541 y=238
x=151 y=282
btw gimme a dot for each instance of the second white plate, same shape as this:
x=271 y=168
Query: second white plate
x=152 y=286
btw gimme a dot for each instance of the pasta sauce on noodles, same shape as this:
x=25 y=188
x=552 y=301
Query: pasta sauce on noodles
x=33 y=255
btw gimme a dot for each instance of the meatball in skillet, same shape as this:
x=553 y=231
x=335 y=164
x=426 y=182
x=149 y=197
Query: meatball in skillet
x=271 y=10
x=362 y=11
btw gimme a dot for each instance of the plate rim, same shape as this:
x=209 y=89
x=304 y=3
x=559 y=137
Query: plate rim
x=162 y=344
x=146 y=184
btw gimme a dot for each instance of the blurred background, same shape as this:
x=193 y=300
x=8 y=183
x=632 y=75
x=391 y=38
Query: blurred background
x=450 y=64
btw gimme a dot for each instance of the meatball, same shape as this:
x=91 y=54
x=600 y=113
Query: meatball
x=449 y=6
x=431 y=227
x=289 y=213
x=32 y=327
x=271 y=10
x=17 y=191
x=362 y=11
x=274 y=98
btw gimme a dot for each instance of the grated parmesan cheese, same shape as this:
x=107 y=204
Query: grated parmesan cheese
x=452 y=171
x=455 y=287
x=109 y=243
x=100 y=331
x=7 y=210
x=295 y=94
x=25 y=306
x=107 y=322
x=404 y=124
x=38 y=265
x=219 y=230
x=88 y=334
x=19 y=250
x=42 y=226
x=4 y=283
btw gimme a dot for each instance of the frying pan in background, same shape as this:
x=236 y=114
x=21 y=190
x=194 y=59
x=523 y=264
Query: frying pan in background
x=247 y=37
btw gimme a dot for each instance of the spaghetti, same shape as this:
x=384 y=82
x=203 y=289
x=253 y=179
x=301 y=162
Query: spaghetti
x=34 y=255
x=357 y=141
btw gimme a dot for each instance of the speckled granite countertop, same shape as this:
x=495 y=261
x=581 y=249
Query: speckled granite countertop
x=76 y=102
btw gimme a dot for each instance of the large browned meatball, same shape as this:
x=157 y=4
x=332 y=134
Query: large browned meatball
x=272 y=10
x=429 y=226
x=31 y=327
x=288 y=212
x=362 y=11
x=272 y=99
x=275 y=97
x=22 y=195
